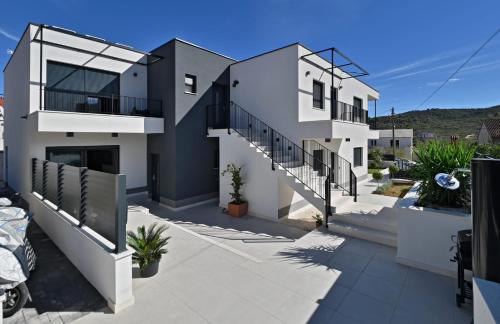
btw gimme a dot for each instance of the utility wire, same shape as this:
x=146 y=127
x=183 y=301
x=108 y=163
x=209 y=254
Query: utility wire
x=460 y=67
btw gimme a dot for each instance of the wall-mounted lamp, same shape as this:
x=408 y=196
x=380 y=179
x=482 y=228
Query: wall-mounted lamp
x=235 y=83
x=24 y=116
x=307 y=73
x=70 y=134
x=135 y=74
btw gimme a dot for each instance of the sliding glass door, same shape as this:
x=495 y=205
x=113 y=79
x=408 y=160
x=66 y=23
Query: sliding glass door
x=98 y=158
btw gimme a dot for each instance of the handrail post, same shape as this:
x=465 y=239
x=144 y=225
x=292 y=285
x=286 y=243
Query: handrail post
x=33 y=173
x=206 y=119
x=272 y=149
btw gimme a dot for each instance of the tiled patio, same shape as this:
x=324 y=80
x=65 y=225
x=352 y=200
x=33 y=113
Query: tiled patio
x=225 y=270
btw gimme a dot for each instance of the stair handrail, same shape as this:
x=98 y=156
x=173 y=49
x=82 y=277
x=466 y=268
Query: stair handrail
x=353 y=180
x=290 y=145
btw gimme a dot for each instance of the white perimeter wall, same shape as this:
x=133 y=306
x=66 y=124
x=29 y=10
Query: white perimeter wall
x=424 y=238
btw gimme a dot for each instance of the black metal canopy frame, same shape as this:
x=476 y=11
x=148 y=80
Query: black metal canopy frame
x=334 y=55
x=150 y=58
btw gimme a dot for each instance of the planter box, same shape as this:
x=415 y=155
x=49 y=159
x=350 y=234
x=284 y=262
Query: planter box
x=424 y=235
x=238 y=210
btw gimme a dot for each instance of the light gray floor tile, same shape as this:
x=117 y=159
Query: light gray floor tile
x=378 y=288
x=388 y=270
x=365 y=309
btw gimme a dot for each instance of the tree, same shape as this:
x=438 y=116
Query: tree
x=377 y=175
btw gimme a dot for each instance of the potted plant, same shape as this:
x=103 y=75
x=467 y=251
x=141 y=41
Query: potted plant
x=318 y=219
x=237 y=207
x=149 y=246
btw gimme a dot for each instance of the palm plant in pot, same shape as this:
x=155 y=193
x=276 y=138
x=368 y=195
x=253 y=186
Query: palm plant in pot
x=149 y=246
x=237 y=207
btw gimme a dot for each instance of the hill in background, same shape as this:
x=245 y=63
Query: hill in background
x=442 y=122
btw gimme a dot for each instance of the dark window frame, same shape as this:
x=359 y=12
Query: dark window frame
x=355 y=161
x=84 y=68
x=194 y=86
x=83 y=150
x=321 y=101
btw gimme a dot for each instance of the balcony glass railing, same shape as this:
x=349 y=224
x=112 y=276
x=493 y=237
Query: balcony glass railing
x=75 y=101
x=346 y=112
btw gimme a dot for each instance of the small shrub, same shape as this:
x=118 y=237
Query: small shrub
x=148 y=245
x=318 y=219
x=376 y=156
x=393 y=170
x=377 y=175
x=491 y=150
x=382 y=189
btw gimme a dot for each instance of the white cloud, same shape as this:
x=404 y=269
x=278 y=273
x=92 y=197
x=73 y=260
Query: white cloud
x=8 y=35
x=438 y=83
x=10 y=51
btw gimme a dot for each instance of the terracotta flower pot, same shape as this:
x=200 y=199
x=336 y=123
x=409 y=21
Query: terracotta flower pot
x=238 y=210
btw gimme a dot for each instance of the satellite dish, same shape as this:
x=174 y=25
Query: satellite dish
x=447 y=181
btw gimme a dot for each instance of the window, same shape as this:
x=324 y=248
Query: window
x=189 y=83
x=373 y=142
x=318 y=95
x=358 y=156
x=397 y=143
x=98 y=158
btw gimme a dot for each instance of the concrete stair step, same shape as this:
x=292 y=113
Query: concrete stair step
x=364 y=233
x=376 y=220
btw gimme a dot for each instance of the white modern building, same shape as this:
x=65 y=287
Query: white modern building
x=83 y=101
x=79 y=100
x=402 y=141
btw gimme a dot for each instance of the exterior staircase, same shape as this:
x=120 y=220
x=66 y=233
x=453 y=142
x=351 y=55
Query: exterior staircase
x=308 y=176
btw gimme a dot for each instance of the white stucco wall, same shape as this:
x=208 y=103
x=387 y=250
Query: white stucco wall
x=424 y=237
x=22 y=100
x=261 y=183
x=486 y=301
x=109 y=273
x=133 y=151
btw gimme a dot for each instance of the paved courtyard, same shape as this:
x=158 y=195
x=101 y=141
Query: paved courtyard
x=225 y=270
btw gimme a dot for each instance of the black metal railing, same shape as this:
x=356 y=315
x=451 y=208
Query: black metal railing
x=342 y=175
x=94 y=199
x=76 y=101
x=347 y=112
x=311 y=172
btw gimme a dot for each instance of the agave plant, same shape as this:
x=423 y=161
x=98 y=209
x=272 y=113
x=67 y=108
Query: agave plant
x=149 y=245
x=440 y=156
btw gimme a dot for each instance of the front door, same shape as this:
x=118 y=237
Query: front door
x=219 y=102
x=318 y=162
x=155 y=177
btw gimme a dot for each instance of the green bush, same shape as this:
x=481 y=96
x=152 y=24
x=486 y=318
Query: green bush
x=437 y=157
x=149 y=245
x=236 y=182
x=377 y=175
x=376 y=156
x=491 y=150
x=393 y=169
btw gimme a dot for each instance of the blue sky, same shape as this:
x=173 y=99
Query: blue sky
x=408 y=47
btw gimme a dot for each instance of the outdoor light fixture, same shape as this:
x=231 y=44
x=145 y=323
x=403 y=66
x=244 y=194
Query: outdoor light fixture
x=235 y=83
x=307 y=73
x=135 y=74
x=448 y=181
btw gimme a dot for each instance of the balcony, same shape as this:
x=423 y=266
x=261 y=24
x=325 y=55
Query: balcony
x=349 y=113
x=81 y=102
x=79 y=112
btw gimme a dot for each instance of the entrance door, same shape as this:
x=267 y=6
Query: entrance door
x=317 y=164
x=155 y=177
x=219 y=102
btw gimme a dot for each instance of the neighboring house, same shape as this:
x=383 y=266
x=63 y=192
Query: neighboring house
x=425 y=136
x=489 y=133
x=403 y=142
x=162 y=119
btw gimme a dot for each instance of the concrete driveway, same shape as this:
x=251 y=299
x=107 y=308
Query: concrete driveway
x=225 y=270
